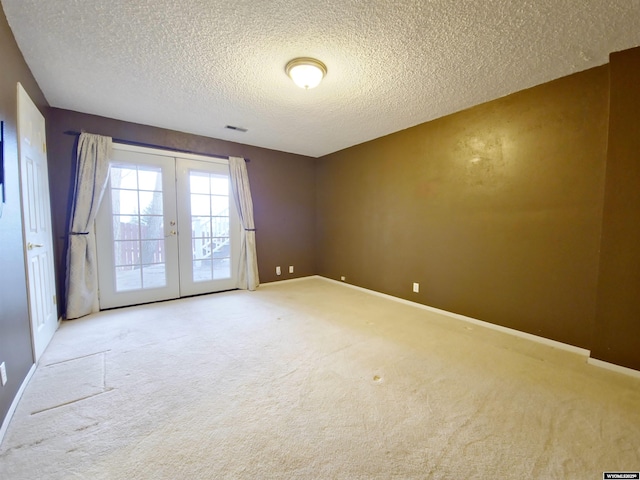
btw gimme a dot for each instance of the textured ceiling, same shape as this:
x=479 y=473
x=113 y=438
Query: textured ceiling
x=199 y=65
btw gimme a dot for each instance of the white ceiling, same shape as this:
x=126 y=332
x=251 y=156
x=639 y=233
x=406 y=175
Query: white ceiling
x=199 y=65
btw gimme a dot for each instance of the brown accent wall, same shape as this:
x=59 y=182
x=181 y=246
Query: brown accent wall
x=617 y=332
x=495 y=211
x=15 y=333
x=282 y=186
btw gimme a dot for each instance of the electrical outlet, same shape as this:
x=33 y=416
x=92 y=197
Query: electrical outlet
x=278 y=271
x=416 y=287
x=290 y=268
x=343 y=278
x=3 y=374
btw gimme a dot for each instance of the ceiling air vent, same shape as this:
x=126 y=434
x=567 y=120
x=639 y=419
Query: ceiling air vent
x=237 y=129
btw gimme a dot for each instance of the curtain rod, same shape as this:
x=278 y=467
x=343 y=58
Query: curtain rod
x=151 y=145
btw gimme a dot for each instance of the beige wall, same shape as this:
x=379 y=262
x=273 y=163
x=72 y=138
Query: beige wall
x=495 y=211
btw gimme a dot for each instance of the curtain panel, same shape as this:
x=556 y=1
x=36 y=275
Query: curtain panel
x=92 y=172
x=248 y=264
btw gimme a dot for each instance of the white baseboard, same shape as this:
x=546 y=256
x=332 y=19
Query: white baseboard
x=510 y=331
x=14 y=404
x=280 y=282
x=613 y=367
x=535 y=338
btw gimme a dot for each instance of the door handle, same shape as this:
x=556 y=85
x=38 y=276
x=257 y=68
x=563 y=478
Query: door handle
x=172 y=232
x=31 y=246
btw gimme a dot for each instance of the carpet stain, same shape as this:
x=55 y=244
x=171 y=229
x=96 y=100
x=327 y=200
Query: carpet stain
x=80 y=429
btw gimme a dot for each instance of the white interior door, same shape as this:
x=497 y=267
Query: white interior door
x=36 y=213
x=167 y=227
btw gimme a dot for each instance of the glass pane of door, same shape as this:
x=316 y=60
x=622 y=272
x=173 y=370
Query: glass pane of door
x=209 y=202
x=138 y=227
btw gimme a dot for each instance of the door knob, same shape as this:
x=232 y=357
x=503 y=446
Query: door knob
x=31 y=246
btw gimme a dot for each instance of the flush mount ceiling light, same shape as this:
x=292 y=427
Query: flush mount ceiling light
x=306 y=72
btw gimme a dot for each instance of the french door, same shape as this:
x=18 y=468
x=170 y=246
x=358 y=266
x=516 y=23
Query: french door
x=209 y=243
x=167 y=228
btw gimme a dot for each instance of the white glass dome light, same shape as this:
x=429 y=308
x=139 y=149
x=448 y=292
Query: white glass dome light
x=306 y=72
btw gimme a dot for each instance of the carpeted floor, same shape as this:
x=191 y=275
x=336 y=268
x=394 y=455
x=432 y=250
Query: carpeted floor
x=313 y=380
